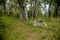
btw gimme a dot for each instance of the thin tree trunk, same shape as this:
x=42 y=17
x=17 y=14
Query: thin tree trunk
x=36 y=8
x=49 y=15
x=21 y=15
x=25 y=9
x=4 y=8
x=33 y=9
x=20 y=9
x=26 y=14
x=56 y=11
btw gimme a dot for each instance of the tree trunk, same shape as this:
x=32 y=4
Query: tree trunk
x=26 y=14
x=56 y=11
x=36 y=8
x=20 y=9
x=21 y=15
x=25 y=9
x=49 y=15
x=4 y=8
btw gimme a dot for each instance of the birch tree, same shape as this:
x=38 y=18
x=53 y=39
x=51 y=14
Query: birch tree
x=23 y=9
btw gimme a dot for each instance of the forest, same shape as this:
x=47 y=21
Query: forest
x=29 y=19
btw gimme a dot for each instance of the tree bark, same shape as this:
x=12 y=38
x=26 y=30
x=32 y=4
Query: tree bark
x=49 y=14
x=4 y=5
x=23 y=9
x=36 y=8
x=56 y=11
x=26 y=14
x=20 y=9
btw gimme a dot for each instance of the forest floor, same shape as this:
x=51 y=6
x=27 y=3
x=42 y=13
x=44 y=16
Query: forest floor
x=16 y=29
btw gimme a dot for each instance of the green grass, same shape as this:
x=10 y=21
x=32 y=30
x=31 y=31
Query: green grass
x=16 y=29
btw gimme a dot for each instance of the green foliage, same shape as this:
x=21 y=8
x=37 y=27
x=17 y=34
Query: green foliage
x=2 y=27
x=43 y=36
x=30 y=23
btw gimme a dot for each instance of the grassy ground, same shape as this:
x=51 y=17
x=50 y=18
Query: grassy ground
x=16 y=29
